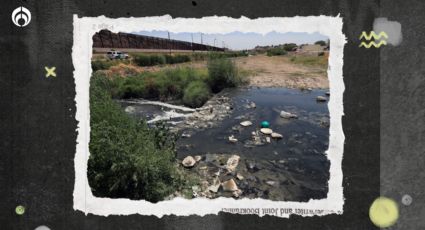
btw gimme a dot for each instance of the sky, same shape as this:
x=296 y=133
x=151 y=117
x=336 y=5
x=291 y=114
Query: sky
x=239 y=40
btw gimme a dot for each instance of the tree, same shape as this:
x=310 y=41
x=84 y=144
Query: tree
x=321 y=43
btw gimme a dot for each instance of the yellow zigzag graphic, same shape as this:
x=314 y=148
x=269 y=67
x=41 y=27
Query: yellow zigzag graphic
x=372 y=43
x=372 y=34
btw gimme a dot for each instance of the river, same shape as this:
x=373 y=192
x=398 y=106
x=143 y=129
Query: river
x=304 y=167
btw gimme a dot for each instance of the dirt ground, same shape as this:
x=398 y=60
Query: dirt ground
x=279 y=71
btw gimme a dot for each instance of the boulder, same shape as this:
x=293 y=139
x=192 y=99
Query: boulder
x=266 y=131
x=130 y=109
x=198 y=158
x=270 y=182
x=239 y=176
x=277 y=135
x=232 y=163
x=237 y=193
x=287 y=115
x=232 y=139
x=251 y=166
x=246 y=123
x=188 y=162
x=328 y=93
x=229 y=186
x=321 y=98
x=252 y=105
x=215 y=186
x=268 y=140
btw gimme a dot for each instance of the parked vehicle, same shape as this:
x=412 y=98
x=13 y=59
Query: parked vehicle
x=116 y=55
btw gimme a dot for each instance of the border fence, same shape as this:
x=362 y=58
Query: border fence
x=107 y=39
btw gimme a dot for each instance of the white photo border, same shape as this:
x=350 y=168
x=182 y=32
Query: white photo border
x=86 y=27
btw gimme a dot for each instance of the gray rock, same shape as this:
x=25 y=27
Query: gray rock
x=188 y=162
x=321 y=98
x=287 y=115
x=130 y=109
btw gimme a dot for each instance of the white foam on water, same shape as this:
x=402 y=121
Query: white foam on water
x=163 y=104
x=168 y=115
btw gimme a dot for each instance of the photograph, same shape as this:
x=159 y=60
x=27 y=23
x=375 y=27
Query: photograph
x=209 y=115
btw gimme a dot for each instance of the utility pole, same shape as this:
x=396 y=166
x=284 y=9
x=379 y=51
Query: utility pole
x=214 y=42
x=192 y=42
x=201 y=40
x=169 y=41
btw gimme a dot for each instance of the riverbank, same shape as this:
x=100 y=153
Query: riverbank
x=262 y=71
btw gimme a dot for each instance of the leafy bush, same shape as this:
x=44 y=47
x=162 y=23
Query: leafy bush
x=171 y=83
x=289 y=46
x=101 y=64
x=127 y=158
x=174 y=59
x=321 y=43
x=276 y=51
x=222 y=74
x=196 y=94
x=149 y=60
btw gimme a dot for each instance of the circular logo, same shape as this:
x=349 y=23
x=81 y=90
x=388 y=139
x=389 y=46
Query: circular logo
x=20 y=210
x=21 y=16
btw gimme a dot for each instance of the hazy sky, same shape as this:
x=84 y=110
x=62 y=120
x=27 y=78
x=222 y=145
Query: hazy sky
x=240 y=41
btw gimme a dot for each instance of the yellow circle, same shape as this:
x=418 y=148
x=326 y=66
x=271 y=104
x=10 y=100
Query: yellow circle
x=383 y=212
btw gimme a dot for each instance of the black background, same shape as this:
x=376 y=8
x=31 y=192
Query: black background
x=38 y=126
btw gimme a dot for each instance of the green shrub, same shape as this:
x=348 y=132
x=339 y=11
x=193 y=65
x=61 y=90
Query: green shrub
x=128 y=159
x=157 y=59
x=174 y=59
x=276 y=51
x=149 y=60
x=196 y=94
x=142 y=60
x=222 y=74
x=101 y=64
x=289 y=46
x=321 y=43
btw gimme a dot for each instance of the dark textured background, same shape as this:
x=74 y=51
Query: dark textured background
x=38 y=126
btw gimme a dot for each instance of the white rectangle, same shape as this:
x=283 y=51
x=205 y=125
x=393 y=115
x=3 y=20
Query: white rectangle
x=86 y=27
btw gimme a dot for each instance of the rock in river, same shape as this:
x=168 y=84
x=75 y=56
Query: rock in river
x=232 y=163
x=188 y=162
x=229 y=186
x=215 y=186
x=277 y=135
x=266 y=131
x=233 y=139
x=246 y=123
x=197 y=158
x=130 y=109
x=287 y=115
x=252 y=105
x=321 y=98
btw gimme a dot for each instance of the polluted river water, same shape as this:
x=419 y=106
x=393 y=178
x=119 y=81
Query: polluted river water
x=292 y=168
